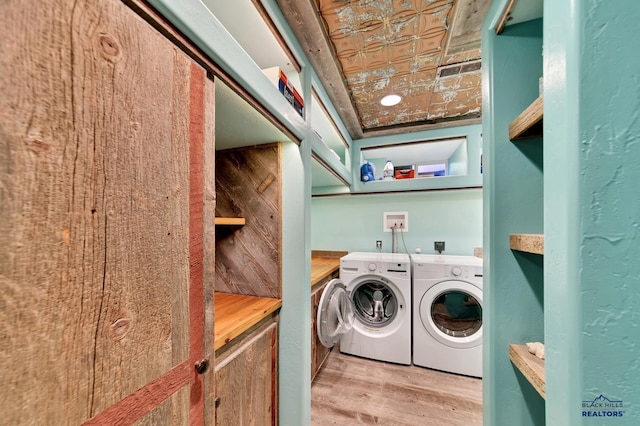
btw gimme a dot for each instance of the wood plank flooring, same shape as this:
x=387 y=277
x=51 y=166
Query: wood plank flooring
x=350 y=390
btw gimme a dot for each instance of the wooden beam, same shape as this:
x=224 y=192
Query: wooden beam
x=506 y=14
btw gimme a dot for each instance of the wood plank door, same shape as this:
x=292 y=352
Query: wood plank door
x=247 y=379
x=105 y=272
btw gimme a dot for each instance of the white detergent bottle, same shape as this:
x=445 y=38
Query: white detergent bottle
x=387 y=172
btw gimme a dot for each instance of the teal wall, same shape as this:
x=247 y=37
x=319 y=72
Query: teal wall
x=513 y=203
x=592 y=238
x=354 y=223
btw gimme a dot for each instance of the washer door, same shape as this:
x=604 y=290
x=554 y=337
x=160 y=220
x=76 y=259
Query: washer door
x=335 y=313
x=451 y=311
x=375 y=301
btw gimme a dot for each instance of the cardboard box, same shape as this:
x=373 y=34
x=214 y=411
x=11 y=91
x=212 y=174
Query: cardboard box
x=404 y=172
x=431 y=170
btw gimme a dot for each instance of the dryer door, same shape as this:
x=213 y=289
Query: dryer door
x=451 y=311
x=335 y=313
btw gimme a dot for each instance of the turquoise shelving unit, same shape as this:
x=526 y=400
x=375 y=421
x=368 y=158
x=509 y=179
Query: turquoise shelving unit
x=513 y=221
x=561 y=238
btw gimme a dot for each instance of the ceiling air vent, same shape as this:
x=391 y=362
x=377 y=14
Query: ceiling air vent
x=459 y=68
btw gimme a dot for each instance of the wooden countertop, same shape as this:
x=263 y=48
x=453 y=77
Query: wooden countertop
x=322 y=267
x=237 y=313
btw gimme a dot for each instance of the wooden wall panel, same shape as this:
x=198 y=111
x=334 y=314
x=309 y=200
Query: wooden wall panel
x=248 y=185
x=94 y=188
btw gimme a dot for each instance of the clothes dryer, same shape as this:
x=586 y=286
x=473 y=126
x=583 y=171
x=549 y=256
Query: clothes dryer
x=368 y=309
x=447 y=319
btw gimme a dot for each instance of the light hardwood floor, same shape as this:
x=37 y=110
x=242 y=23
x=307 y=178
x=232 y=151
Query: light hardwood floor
x=355 y=391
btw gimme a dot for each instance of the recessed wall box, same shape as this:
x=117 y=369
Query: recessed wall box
x=398 y=219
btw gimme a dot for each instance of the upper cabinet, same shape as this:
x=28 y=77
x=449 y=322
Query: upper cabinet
x=264 y=44
x=331 y=151
x=239 y=124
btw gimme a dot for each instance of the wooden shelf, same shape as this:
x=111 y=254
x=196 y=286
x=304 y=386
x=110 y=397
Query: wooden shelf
x=529 y=123
x=237 y=313
x=529 y=243
x=230 y=221
x=531 y=367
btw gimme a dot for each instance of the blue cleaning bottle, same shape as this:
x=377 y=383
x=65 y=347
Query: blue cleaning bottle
x=366 y=172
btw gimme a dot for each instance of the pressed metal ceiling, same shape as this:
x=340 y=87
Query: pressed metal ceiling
x=426 y=51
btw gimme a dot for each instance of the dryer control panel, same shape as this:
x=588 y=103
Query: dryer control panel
x=439 y=270
x=437 y=267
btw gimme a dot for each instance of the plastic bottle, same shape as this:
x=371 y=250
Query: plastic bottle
x=366 y=172
x=387 y=172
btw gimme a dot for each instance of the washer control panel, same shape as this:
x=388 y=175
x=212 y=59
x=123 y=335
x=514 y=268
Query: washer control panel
x=399 y=269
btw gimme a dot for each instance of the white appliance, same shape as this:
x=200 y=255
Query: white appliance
x=368 y=309
x=447 y=313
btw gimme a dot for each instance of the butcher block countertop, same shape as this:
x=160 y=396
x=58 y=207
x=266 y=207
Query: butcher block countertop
x=237 y=313
x=323 y=264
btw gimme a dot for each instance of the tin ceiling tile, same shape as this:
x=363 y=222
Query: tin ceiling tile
x=402 y=46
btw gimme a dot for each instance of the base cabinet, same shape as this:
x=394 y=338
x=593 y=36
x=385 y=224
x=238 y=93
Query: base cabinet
x=246 y=377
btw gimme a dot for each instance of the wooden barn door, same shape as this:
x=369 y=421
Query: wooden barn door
x=106 y=277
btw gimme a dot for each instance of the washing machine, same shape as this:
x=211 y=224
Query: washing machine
x=447 y=313
x=368 y=309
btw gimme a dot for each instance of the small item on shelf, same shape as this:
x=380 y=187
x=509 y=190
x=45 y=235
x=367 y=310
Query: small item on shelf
x=536 y=348
x=431 y=170
x=279 y=78
x=387 y=172
x=367 y=173
x=404 y=172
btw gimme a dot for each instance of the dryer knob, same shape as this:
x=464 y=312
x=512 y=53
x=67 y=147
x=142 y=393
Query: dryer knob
x=372 y=266
x=456 y=271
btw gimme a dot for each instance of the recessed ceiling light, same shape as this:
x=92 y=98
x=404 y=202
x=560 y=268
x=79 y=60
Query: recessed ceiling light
x=390 y=100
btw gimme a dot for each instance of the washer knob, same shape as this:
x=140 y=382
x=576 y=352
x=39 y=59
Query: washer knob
x=372 y=266
x=456 y=271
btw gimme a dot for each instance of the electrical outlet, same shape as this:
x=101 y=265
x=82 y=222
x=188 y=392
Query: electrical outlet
x=438 y=246
x=378 y=245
